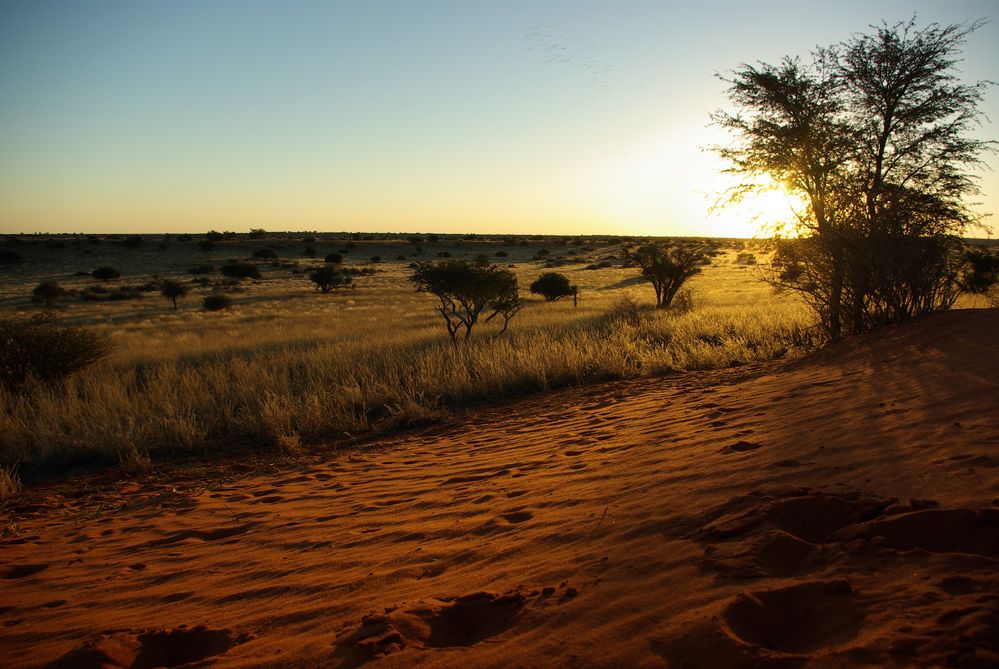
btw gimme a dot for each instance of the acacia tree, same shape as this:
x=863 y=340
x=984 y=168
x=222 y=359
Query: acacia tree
x=668 y=267
x=172 y=290
x=464 y=289
x=553 y=286
x=326 y=279
x=873 y=134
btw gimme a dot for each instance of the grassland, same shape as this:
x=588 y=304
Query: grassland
x=288 y=367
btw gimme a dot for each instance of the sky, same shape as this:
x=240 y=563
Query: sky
x=446 y=116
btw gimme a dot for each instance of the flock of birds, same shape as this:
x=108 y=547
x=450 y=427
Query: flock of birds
x=561 y=49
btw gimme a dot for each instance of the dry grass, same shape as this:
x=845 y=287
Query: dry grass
x=288 y=367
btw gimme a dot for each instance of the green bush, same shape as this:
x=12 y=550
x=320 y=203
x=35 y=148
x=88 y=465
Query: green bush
x=35 y=348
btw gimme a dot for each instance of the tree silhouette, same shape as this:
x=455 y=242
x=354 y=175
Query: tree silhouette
x=172 y=290
x=873 y=133
x=464 y=289
x=668 y=266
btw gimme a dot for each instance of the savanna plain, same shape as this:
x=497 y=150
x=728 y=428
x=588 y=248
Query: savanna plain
x=324 y=479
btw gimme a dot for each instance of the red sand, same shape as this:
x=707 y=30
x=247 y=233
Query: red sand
x=837 y=511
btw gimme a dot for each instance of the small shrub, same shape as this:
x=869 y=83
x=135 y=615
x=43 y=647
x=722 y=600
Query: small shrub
x=10 y=482
x=241 y=270
x=376 y=258
x=745 y=259
x=49 y=291
x=501 y=254
x=309 y=252
x=132 y=242
x=201 y=269
x=327 y=279
x=257 y=233
x=334 y=258
x=105 y=273
x=37 y=349
x=216 y=302
x=266 y=253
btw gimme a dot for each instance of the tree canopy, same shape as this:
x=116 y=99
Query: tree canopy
x=874 y=134
x=464 y=289
x=668 y=266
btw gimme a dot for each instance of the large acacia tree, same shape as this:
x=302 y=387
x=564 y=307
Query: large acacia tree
x=464 y=289
x=874 y=134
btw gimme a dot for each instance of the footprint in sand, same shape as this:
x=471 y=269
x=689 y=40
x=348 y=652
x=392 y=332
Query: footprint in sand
x=740 y=447
x=448 y=623
x=799 y=619
x=22 y=571
x=152 y=648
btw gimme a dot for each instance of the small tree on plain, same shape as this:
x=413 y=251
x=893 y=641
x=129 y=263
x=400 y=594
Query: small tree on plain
x=327 y=279
x=105 y=273
x=553 y=286
x=172 y=290
x=667 y=267
x=334 y=258
x=49 y=291
x=464 y=289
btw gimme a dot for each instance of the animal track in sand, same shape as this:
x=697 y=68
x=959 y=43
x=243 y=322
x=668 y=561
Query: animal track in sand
x=152 y=648
x=515 y=517
x=22 y=571
x=801 y=618
x=447 y=623
x=740 y=447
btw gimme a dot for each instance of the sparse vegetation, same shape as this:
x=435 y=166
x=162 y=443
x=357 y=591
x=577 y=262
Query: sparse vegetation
x=105 y=273
x=216 y=302
x=553 y=286
x=265 y=253
x=37 y=349
x=172 y=290
x=49 y=292
x=877 y=137
x=668 y=267
x=464 y=289
x=327 y=279
x=241 y=270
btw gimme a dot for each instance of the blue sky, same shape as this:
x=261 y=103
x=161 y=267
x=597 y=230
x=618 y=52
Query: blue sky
x=560 y=117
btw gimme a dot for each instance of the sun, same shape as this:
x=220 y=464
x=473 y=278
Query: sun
x=769 y=210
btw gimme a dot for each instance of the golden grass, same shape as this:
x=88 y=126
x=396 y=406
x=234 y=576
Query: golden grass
x=289 y=367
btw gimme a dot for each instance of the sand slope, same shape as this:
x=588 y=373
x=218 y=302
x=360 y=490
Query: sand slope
x=837 y=511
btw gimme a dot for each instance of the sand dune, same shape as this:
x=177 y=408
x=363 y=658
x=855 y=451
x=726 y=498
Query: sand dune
x=841 y=510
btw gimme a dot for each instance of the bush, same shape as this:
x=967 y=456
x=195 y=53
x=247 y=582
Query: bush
x=105 y=273
x=241 y=270
x=327 y=279
x=216 y=302
x=8 y=257
x=334 y=258
x=266 y=253
x=201 y=269
x=553 y=286
x=376 y=258
x=980 y=272
x=309 y=252
x=36 y=349
x=48 y=291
